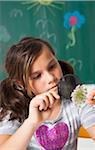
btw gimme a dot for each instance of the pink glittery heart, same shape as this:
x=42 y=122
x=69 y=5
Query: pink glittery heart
x=53 y=139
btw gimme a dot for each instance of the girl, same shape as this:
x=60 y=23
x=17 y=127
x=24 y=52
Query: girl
x=32 y=115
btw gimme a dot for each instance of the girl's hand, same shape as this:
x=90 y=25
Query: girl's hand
x=91 y=97
x=41 y=105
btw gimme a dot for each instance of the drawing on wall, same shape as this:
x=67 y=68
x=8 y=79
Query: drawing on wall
x=42 y=22
x=38 y=4
x=4 y=34
x=72 y=38
x=43 y=25
x=2 y=69
x=72 y=22
x=16 y=12
x=78 y=64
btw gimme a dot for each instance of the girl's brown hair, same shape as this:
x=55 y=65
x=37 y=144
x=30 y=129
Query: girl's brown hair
x=15 y=93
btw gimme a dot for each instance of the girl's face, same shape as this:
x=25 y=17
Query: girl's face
x=45 y=72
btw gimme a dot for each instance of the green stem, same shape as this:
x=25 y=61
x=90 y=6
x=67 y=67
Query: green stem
x=71 y=36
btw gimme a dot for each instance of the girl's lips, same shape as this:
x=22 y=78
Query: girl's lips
x=54 y=87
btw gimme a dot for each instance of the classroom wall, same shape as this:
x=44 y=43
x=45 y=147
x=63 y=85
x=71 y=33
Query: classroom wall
x=68 y=25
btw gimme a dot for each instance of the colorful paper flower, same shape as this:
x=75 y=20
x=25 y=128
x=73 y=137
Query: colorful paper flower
x=73 y=21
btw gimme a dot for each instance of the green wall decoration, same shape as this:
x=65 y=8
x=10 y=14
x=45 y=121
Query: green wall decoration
x=71 y=36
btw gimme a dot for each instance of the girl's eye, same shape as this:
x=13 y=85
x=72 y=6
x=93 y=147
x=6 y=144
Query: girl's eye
x=53 y=66
x=36 y=77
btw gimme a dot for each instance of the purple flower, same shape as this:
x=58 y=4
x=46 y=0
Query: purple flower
x=73 y=20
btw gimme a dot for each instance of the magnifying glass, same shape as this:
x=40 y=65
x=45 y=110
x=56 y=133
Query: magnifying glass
x=67 y=84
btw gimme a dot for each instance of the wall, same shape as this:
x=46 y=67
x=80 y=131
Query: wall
x=74 y=41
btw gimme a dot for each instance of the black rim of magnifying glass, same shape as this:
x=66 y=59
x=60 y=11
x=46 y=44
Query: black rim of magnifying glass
x=71 y=79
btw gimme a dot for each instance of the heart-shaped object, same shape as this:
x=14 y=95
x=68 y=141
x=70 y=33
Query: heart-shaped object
x=54 y=138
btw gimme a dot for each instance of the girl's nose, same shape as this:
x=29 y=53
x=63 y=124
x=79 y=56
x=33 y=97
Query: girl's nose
x=50 y=77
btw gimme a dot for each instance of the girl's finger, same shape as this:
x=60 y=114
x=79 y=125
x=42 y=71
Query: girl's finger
x=91 y=102
x=47 y=103
x=42 y=105
x=55 y=95
x=51 y=99
x=91 y=96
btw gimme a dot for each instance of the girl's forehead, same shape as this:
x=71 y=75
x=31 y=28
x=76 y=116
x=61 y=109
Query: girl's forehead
x=44 y=55
x=42 y=60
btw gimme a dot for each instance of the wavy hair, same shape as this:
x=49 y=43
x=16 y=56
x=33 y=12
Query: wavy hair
x=15 y=92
